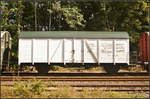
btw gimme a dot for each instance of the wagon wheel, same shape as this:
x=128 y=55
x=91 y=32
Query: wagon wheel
x=111 y=68
x=42 y=68
x=147 y=67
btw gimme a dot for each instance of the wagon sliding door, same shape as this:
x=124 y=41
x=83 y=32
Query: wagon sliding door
x=72 y=51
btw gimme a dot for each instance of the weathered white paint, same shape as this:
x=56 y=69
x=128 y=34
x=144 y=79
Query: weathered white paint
x=98 y=52
x=90 y=51
x=63 y=51
x=48 y=58
x=82 y=51
x=74 y=51
x=77 y=51
x=106 y=51
x=25 y=49
x=56 y=51
x=40 y=51
x=32 y=53
x=121 y=50
x=128 y=53
x=68 y=51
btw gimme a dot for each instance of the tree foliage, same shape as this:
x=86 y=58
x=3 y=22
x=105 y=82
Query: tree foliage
x=57 y=15
x=67 y=14
x=11 y=21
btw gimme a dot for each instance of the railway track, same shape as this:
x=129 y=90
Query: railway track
x=74 y=74
x=113 y=78
x=107 y=83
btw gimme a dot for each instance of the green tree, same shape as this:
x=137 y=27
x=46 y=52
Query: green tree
x=92 y=15
x=11 y=21
x=28 y=16
x=68 y=15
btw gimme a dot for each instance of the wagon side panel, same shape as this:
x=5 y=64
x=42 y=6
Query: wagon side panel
x=56 y=51
x=144 y=43
x=68 y=50
x=72 y=51
x=140 y=48
x=121 y=51
x=144 y=47
x=77 y=51
x=40 y=50
x=106 y=51
x=25 y=51
x=90 y=51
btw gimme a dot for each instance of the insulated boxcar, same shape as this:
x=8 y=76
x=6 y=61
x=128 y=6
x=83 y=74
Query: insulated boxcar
x=144 y=49
x=110 y=49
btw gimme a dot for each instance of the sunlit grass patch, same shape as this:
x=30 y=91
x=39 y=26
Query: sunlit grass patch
x=38 y=89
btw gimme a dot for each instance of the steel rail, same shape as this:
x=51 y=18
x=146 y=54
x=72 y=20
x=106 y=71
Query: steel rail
x=119 y=90
x=112 y=85
x=67 y=79
x=127 y=87
x=71 y=74
x=6 y=78
x=95 y=85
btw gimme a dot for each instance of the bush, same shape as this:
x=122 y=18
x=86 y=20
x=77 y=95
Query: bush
x=29 y=88
x=14 y=67
x=52 y=83
x=56 y=68
x=37 y=86
x=22 y=90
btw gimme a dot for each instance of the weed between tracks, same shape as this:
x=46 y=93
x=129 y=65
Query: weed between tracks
x=38 y=89
x=56 y=68
x=79 y=69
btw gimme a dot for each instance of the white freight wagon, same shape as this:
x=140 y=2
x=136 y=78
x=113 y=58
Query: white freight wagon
x=110 y=49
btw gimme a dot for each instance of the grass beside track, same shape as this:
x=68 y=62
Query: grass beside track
x=68 y=92
x=38 y=89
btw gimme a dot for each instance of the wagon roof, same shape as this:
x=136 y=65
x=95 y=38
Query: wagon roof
x=73 y=34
